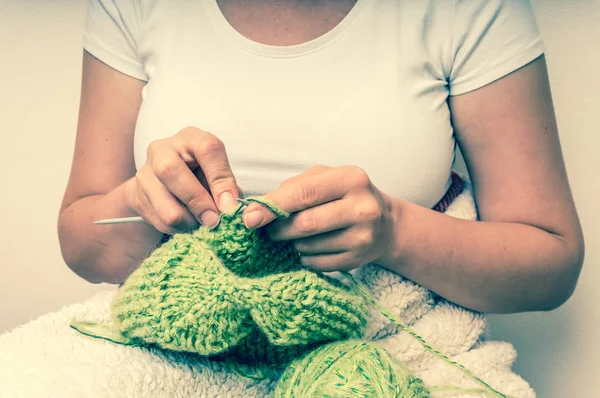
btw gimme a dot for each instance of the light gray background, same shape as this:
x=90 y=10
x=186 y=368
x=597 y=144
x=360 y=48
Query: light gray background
x=40 y=71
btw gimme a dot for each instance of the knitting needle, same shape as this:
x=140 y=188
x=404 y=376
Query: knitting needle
x=120 y=220
x=140 y=219
x=243 y=201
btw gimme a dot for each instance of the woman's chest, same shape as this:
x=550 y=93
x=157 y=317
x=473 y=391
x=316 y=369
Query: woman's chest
x=355 y=100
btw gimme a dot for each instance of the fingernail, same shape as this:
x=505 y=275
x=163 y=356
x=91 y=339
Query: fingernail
x=254 y=218
x=226 y=201
x=209 y=218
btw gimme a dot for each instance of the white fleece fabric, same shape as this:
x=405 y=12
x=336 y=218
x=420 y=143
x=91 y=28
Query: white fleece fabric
x=46 y=358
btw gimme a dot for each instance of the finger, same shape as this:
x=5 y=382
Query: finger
x=211 y=155
x=313 y=221
x=306 y=192
x=202 y=178
x=328 y=243
x=331 y=262
x=144 y=208
x=149 y=215
x=177 y=178
x=166 y=206
x=314 y=170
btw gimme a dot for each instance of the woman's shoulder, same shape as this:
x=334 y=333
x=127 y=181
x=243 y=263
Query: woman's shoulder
x=113 y=30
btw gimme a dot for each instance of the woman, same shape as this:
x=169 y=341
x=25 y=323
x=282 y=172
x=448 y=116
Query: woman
x=346 y=114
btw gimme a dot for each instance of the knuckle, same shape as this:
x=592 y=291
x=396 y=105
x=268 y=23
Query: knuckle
x=193 y=134
x=191 y=199
x=364 y=238
x=219 y=183
x=359 y=176
x=154 y=147
x=306 y=194
x=166 y=168
x=369 y=211
x=174 y=218
x=221 y=180
x=197 y=204
x=189 y=130
x=306 y=222
x=210 y=145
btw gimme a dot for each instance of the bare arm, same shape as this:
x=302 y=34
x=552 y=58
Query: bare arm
x=527 y=252
x=185 y=181
x=101 y=173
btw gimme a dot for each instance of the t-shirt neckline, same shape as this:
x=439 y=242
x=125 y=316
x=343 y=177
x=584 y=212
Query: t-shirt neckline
x=224 y=27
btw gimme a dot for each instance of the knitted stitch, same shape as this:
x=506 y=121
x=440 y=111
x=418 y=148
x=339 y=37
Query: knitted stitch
x=231 y=291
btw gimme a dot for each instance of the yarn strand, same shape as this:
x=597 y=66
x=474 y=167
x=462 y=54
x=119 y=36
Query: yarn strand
x=100 y=331
x=461 y=390
x=280 y=213
x=390 y=317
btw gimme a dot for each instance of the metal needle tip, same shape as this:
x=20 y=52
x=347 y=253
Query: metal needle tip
x=120 y=220
x=243 y=201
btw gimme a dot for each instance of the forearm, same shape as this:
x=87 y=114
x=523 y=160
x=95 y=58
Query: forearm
x=486 y=266
x=104 y=253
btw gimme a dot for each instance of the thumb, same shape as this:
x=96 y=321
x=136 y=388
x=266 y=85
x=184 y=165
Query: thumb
x=262 y=211
x=225 y=195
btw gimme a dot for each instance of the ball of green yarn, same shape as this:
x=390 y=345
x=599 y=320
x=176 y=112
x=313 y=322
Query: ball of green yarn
x=351 y=368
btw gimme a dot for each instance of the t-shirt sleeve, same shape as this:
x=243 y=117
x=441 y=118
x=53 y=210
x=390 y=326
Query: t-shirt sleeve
x=112 y=33
x=490 y=39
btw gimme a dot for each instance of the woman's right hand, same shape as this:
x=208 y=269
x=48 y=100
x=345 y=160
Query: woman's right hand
x=186 y=180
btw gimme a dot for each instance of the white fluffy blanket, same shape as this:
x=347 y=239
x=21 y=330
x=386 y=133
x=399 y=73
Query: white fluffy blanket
x=46 y=358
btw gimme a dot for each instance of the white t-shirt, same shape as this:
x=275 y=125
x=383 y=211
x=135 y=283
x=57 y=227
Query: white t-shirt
x=372 y=92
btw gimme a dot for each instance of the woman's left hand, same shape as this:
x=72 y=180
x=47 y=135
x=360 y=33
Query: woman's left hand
x=338 y=219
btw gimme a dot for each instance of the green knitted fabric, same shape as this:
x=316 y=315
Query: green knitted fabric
x=233 y=292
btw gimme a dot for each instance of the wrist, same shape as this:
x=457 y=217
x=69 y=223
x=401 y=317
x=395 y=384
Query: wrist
x=128 y=194
x=394 y=253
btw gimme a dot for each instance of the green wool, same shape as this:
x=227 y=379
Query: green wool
x=231 y=291
x=352 y=368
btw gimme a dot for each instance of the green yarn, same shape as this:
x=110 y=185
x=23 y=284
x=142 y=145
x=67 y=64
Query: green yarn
x=351 y=368
x=249 y=253
x=424 y=343
x=230 y=292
